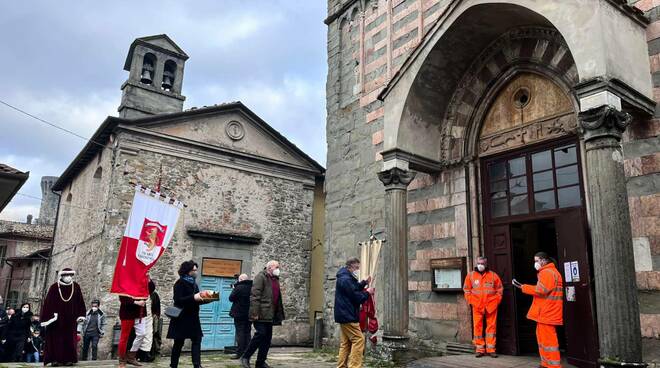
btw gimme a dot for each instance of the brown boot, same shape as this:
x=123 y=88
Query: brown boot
x=130 y=358
x=122 y=361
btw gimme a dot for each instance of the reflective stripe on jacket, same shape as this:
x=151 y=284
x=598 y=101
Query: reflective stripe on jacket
x=547 y=306
x=483 y=291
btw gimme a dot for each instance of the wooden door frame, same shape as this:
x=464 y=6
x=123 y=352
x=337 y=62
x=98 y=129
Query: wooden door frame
x=484 y=206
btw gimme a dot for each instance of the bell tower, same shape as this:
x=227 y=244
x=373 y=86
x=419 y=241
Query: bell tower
x=155 y=65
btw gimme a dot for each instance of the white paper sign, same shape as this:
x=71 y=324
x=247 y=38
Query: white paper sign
x=567 y=272
x=570 y=294
x=575 y=272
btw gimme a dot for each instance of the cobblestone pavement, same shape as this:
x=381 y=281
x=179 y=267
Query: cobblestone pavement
x=277 y=358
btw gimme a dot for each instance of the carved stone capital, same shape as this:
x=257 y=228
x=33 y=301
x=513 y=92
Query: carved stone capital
x=396 y=178
x=603 y=122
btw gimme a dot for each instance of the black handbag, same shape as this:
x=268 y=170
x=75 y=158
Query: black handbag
x=173 y=311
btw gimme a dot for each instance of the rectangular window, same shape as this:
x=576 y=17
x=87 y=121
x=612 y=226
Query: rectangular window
x=536 y=181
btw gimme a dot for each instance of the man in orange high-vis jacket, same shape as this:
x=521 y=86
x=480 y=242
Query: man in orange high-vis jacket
x=483 y=291
x=546 y=308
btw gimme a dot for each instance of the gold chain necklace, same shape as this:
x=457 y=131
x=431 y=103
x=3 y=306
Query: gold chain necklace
x=60 y=291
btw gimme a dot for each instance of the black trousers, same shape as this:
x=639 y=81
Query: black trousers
x=195 y=352
x=243 y=332
x=15 y=350
x=88 y=341
x=261 y=340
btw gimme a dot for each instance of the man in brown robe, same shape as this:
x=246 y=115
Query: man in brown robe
x=63 y=307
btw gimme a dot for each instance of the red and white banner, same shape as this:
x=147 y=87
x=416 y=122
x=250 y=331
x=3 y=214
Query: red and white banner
x=150 y=227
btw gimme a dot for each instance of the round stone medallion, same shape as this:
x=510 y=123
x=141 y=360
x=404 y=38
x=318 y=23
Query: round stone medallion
x=235 y=130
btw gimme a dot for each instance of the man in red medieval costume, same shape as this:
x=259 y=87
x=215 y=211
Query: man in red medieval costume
x=63 y=308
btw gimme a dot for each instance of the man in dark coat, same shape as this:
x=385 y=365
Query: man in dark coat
x=349 y=295
x=63 y=307
x=240 y=308
x=266 y=310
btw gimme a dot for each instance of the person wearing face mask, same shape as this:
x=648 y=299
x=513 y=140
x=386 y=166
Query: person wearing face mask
x=186 y=295
x=266 y=310
x=17 y=333
x=483 y=292
x=546 y=309
x=63 y=307
x=349 y=295
x=92 y=330
x=240 y=308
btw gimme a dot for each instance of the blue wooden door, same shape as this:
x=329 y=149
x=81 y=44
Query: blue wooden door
x=217 y=325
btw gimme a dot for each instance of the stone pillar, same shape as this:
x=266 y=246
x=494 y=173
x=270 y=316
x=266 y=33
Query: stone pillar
x=614 y=265
x=395 y=253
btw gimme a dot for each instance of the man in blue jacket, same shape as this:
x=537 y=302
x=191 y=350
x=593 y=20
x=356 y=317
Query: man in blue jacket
x=349 y=295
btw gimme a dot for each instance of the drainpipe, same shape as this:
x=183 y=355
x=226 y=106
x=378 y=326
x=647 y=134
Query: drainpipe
x=52 y=245
x=11 y=275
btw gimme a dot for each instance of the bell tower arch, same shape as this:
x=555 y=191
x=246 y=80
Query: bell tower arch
x=155 y=65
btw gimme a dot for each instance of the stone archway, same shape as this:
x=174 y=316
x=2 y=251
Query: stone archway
x=431 y=106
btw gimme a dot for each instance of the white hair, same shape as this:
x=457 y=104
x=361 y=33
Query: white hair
x=272 y=264
x=242 y=277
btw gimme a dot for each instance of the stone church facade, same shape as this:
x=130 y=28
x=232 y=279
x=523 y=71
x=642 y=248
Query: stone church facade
x=459 y=128
x=250 y=193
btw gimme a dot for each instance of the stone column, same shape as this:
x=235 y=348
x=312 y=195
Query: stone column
x=614 y=265
x=395 y=253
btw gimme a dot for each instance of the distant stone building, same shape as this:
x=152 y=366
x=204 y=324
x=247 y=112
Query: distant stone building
x=459 y=128
x=25 y=251
x=250 y=195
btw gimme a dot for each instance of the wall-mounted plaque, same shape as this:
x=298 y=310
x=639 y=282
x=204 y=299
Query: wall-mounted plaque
x=220 y=267
x=448 y=274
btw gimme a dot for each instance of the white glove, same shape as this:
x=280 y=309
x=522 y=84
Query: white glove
x=44 y=324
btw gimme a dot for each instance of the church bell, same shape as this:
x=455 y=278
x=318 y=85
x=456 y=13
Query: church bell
x=167 y=80
x=146 y=77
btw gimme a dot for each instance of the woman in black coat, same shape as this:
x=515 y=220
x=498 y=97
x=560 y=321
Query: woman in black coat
x=187 y=325
x=17 y=333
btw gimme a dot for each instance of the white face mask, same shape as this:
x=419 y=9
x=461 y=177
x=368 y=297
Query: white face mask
x=481 y=267
x=94 y=309
x=356 y=274
x=276 y=272
x=67 y=279
x=537 y=265
x=25 y=310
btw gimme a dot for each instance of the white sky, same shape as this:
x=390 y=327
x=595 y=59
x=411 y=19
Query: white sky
x=63 y=61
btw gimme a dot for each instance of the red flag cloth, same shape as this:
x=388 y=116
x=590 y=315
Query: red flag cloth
x=368 y=320
x=149 y=229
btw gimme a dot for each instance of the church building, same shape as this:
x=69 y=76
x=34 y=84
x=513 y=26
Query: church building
x=466 y=128
x=251 y=196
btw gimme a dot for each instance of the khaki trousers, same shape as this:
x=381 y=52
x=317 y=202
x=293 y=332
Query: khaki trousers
x=351 y=347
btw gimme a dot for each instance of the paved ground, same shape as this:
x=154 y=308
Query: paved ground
x=278 y=358
x=468 y=361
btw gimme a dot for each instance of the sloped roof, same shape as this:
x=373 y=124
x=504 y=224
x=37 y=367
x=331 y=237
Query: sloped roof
x=24 y=230
x=166 y=45
x=11 y=180
x=91 y=149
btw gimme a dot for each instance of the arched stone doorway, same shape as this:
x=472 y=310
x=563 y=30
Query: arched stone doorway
x=434 y=108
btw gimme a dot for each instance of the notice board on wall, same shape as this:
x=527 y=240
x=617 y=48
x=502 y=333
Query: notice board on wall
x=219 y=267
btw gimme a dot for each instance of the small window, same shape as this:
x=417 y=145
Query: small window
x=98 y=174
x=147 y=74
x=69 y=197
x=169 y=73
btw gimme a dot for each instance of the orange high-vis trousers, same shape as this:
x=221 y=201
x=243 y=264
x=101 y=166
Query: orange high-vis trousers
x=546 y=336
x=486 y=345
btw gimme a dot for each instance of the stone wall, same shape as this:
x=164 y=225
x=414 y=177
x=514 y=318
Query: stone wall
x=366 y=48
x=219 y=200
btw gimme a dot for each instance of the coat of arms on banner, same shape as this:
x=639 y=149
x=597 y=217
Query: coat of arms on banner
x=151 y=241
x=149 y=228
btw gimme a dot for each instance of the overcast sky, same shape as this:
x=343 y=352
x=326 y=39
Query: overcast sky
x=63 y=61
